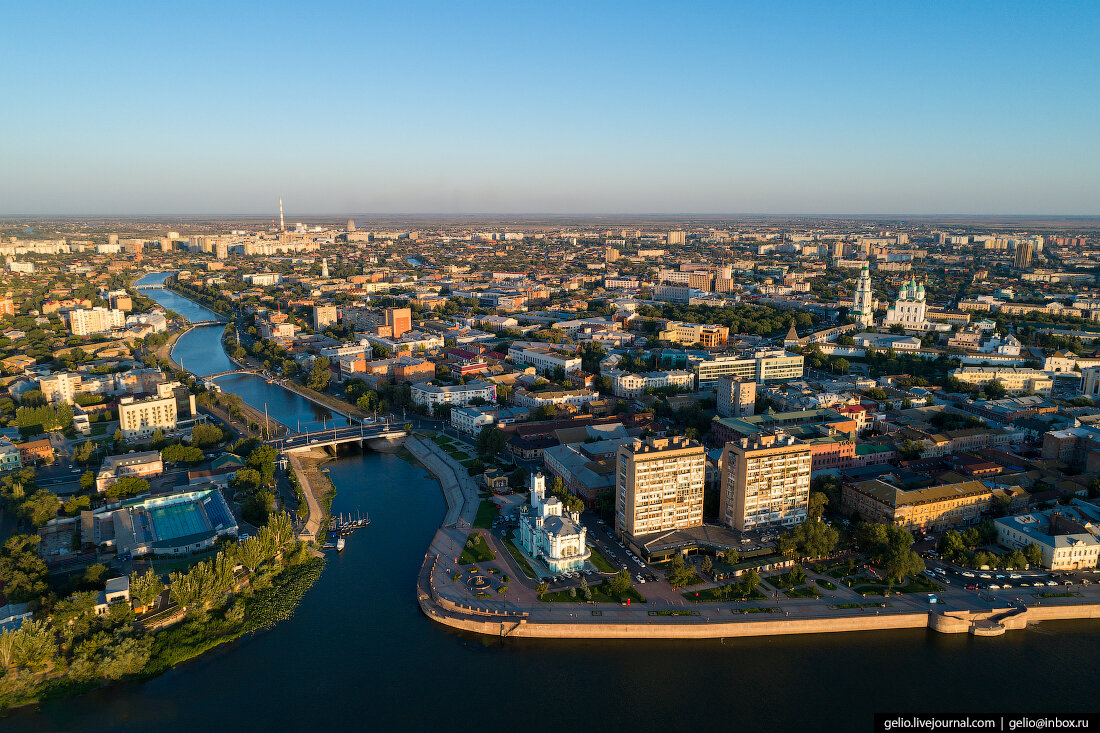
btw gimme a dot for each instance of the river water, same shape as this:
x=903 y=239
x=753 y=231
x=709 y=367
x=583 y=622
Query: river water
x=358 y=654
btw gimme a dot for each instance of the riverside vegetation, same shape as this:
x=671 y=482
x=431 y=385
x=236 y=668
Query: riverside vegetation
x=67 y=648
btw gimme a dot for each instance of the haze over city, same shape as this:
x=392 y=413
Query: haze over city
x=849 y=108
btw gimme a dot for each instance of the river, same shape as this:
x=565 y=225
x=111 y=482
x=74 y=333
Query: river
x=359 y=654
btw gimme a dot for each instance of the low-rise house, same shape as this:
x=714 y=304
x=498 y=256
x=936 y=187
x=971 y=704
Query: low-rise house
x=11 y=458
x=146 y=465
x=36 y=451
x=1067 y=536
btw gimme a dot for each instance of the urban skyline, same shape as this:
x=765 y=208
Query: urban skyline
x=850 y=108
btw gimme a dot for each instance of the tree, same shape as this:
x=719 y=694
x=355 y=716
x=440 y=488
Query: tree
x=814 y=538
x=22 y=571
x=127 y=486
x=490 y=441
x=119 y=441
x=541 y=589
x=619 y=585
x=951 y=546
x=206 y=435
x=749 y=581
x=818 y=502
x=87 y=481
x=679 y=575
x=1034 y=555
x=731 y=557
x=40 y=507
x=319 y=374
x=708 y=564
x=145 y=588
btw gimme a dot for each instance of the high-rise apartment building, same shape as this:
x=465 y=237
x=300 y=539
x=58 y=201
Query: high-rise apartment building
x=676 y=238
x=610 y=254
x=1025 y=250
x=659 y=485
x=399 y=319
x=736 y=398
x=765 y=482
x=7 y=307
x=324 y=315
x=85 y=321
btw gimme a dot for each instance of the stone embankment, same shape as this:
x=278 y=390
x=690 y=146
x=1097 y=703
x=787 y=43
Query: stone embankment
x=491 y=619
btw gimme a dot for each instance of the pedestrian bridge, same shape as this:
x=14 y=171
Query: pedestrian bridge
x=229 y=372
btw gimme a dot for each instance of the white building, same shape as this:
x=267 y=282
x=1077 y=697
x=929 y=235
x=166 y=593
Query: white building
x=60 y=387
x=1066 y=537
x=863 y=300
x=140 y=418
x=471 y=420
x=542 y=358
x=910 y=308
x=575 y=397
x=425 y=393
x=627 y=384
x=551 y=535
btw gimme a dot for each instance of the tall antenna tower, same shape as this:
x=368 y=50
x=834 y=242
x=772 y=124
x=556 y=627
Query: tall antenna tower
x=282 y=226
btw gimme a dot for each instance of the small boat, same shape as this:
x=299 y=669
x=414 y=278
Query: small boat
x=340 y=544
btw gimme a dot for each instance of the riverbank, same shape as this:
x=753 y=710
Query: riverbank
x=444 y=596
x=317 y=490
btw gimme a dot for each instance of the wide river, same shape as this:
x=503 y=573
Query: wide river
x=359 y=655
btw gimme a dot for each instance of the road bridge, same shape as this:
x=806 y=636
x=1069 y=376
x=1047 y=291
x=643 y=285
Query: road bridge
x=358 y=433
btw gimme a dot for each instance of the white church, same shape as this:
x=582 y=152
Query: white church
x=551 y=535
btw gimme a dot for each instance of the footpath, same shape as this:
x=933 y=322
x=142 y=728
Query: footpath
x=518 y=612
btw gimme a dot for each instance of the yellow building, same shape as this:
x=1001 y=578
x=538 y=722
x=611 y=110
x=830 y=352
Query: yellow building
x=935 y=508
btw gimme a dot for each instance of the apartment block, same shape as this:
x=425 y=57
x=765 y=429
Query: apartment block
x=659 y=485
x=765 y=482
x=86 y=321
x=736 y=398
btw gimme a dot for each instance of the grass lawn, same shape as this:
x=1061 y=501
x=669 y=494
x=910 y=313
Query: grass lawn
x=826 y=584
x=804 y=592
x=1054 y=595
x=915 y=585
x=468 y=463
x=600 y=594
x=860 y=605
x=480 y=551
x=99 y=428
x=524 y=565
x=710 y=595
x=486 y=512
x=601 y=563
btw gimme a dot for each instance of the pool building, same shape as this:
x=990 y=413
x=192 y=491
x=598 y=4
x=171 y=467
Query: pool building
x=170 y=524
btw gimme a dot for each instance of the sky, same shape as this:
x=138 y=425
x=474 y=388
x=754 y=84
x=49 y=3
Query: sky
x=569 y=108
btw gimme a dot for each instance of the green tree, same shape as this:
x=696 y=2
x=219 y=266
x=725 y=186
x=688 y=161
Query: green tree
x=619 y=584
x=1033 y=554
x=22 y=571
x=40 y=507
x=206 y=435
x=818 y=502
x=87 y=481
x=541 y=589
x=490 y=441
x=145 y=588
x=127 y=486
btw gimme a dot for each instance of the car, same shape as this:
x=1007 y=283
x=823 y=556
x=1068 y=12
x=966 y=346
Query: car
x=1015 y=576
x=70 y=465
x=1007 y=585
x=1085 y=581
x=640 y=578
x=244 y=536
x=1067 y=582
x=999 y=576
x=971 y=586
x=1024 y=584
x=641 y=564
x=945 y=580
x=994 y=586
x=587 y=571
x=986 y=576
x=967 y=574
x=1051 y=583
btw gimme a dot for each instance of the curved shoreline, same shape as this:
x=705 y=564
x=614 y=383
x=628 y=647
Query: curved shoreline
x=708 y=621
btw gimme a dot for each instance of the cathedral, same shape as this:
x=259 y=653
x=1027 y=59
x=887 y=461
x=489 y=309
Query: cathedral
x=909 y=309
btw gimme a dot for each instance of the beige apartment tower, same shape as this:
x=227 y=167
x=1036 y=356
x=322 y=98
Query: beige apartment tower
x=765 y=482
x=736 y=398
x=659 y=485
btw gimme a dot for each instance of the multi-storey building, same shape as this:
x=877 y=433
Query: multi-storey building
x=1013 y=379
x=83 y=322
x=424 y=393
x=135 y=465
x=934 y=508
x=659 y=485
x=324 y=315
x=60 y=387
x=736 y=398
x=140 y=418
x=765 y=482
x=543 y=359
x=765 y=365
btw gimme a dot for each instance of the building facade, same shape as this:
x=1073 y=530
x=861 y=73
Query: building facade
x=659 y=485
x=550 y=534
x=765 y=482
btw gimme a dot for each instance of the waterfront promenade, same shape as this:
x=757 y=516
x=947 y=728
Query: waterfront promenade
x=667 y=613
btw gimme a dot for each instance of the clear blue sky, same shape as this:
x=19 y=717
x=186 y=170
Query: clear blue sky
x=403 y=107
